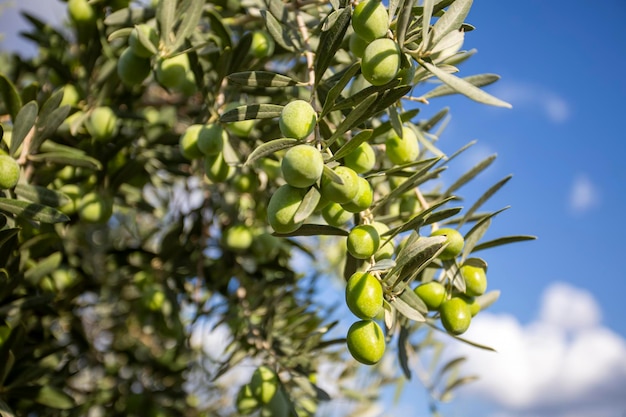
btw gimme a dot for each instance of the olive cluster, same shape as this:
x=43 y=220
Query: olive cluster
x=455 y=308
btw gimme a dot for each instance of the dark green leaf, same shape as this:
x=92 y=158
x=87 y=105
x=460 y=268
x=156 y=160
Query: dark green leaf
x=10 y=98
x=476 y=233
x=24 y=122
x=252 y=111
x=336 y=90
x=469 y=175
x=41 y=195
x=432 y=122
x=351 y=121
x=403 y=347
x=278 y=31
x=47 y=125
x=261 y=79
x=269 y=148
x=442 y=215
x=502 y=241
x=404 y=19
x=32 y=211
x=330 y=42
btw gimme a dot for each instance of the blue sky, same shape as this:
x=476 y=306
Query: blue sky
x=560 y=322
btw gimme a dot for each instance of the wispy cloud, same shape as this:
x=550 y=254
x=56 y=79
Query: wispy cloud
x=564 y=364
x=524 y=95
x=584 y=195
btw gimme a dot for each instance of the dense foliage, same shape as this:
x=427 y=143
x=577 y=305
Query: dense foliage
x=172 y=168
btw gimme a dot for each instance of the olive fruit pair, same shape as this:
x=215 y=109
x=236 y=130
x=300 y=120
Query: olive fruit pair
x=263 y=391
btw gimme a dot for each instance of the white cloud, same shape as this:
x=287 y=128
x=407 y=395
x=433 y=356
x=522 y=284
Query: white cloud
x=522 y=95
x=584 y=195
x=564 y=364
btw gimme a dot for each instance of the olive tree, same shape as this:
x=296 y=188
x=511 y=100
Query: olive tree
x=171 y=166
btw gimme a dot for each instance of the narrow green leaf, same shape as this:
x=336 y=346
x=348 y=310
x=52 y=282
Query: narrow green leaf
x=449 y=366
x=403 y=351
x=406 y=310
x=316 y=230
x=129 y=16
x=41 y=195
x=122 y=33
x=145 y=41
x=252 y=111
x=455 y=384
x=10 y=98
x=330 y=42
x=32 y=211
x=55 y=398
x=52 y=103
x=308 y=205
x=352 y=144
x=471 y=174
x=487 y=299
x=386 y=99
x=269 y=148
x=416 y=245
x=451 y=20
x=43 y=268
x=441 y=215
x=220 y=29
x=261 y=79
x=24 y=122
x=419 y=219
x=476 y=233
x=382 y=265
x=503 y=241
x=486 y=196
x=279 y=32
x=6 y=234
x=480 y=80
x=67 y=158
x=427 y=14
x=427 y=144
x=332 y=175
x=413 y=300
x=404 y=20
x=166 y=14
x=277 y=9
x=432 y=122
x=464 y=87
x=336 y=90
x=5 y=411
x=191 y=18
x=351 y=121
x=46 y=126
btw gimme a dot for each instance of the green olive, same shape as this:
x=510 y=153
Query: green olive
x=387 y=250
x=335 y=214
x=475 y=279
x=454 y=240
x=363 y=198
x=95 y=208
x=297 y=119
x=402 y=150
x=432 y=293
x=246 y=401
x=362 y=159
x=363 y=241
x=148 y=33
x=455 y=315
x=381 y=61
x=9 y=172
x=302 y=166
x=341 y=193
x=238 y=237
x=282 y=208
x=370 y=20
x=101 y=123
x=132 y=69
x=366 y=342
x=264 y=384
x=216 y=168
x=262 y=44
x=364 y=295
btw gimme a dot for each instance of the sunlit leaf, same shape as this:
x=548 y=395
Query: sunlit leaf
x=32 y=211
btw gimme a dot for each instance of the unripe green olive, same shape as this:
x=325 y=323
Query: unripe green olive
x=341 y=193
x=363 y=198
x=282 y=208
x=188 y=142
x=264 y=384
x=455 y=242
x=362 y=159
x=131 y=68
x=81 y=12
x=262 y=44
x=363 y=241
x=387 y=250
x=357 y=45
x=370 y=20
x=475 y=279
x=101 y=123
x=211 y=137
x=402 y=150
x=366 y=342
x=71 y=96
x=238 y=237
x=381 y=61
x=455 y=315
x=472 y=303
x=335 y=215
x=172 y=72
x=302 y=166
x=95 y=208
x=153 y=299
x=135 y=43
x=432 y=293
x=246 y=401
x=9 y=172
x=364 y=295
x=216 y=168
x=297 y=119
